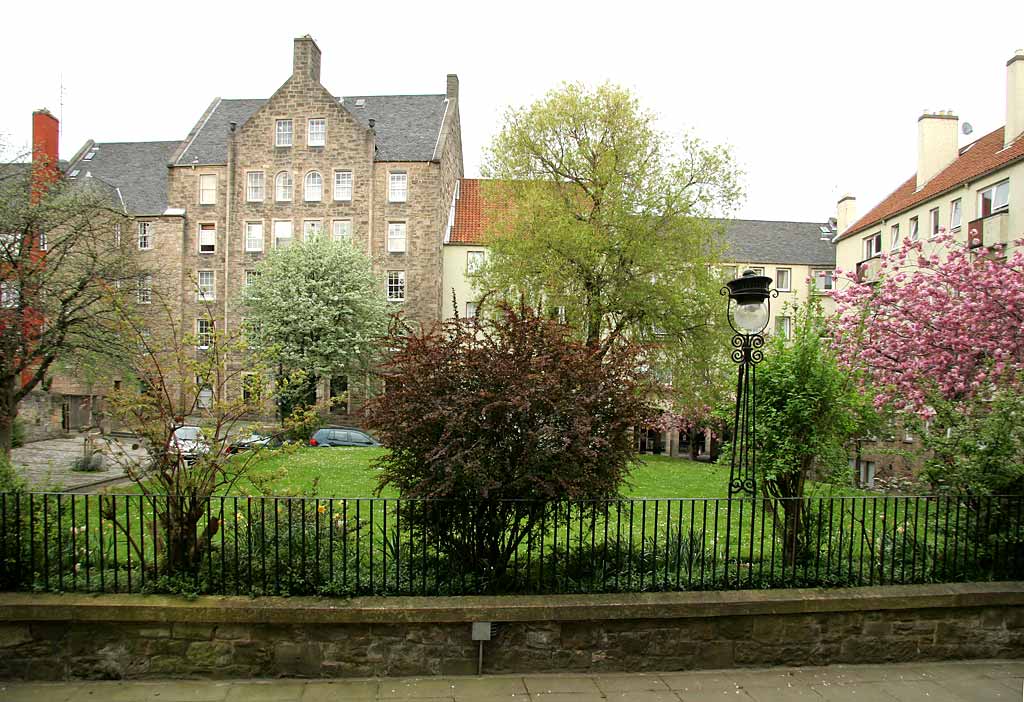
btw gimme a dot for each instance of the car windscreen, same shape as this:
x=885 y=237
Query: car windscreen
x=187 y=433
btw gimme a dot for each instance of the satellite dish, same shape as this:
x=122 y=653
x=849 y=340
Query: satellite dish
x=967 y=128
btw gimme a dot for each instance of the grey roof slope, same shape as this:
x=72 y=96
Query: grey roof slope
x=210 y=144
x=137 y=169
x=765 y=241
x=407 y=126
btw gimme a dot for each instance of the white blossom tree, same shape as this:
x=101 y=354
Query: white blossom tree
x=316 y=308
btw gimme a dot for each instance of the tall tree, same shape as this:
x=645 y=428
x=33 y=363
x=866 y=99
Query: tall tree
x=61 y=264
x=316 y=307
x=602 y=218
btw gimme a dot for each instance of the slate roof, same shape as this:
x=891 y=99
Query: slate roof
x=977 y=159
x=210 y=143
x=747 y=240
x=407 y=126
x=766 y=241
x=137 y=170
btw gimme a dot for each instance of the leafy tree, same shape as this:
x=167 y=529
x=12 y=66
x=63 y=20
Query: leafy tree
x=808 y=409
x=60 y=265
x=170 y=377
x=495 y=420
x=316 y=308
x=601 y=218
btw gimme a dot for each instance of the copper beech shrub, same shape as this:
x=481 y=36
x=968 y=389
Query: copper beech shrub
x=479 y=412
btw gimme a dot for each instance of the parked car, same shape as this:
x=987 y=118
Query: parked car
x=189 y=443
x=342 y=436
x=255 y=441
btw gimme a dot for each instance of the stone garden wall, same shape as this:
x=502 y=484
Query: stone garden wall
x=53 y=637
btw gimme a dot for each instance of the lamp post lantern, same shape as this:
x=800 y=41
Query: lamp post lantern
x=748 y=311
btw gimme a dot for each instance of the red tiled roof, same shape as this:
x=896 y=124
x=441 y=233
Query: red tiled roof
x=474 y=210
x=977 y=159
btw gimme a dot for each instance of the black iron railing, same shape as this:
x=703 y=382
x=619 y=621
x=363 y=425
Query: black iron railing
x=273 y=545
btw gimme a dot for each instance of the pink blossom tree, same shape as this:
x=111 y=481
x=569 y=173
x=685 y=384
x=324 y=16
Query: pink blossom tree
x=944 y=323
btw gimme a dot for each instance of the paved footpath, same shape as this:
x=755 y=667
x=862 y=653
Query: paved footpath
x=930 y=682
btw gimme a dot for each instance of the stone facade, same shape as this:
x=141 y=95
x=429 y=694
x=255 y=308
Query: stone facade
x=52 y=637
x=247 y=128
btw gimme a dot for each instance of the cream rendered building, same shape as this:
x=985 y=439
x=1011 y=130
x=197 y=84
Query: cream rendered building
x=975 y=192
x=798 y=256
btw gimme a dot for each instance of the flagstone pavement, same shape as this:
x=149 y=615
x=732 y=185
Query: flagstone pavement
x=930 y=682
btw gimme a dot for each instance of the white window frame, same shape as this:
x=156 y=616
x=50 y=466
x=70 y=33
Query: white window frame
x=758 y=270
x=789 y=279
x=207 y=195
x=934 y=222
x=206 y=336
x=10 y=295
x=398 y=238
x=341 y=188
x=321 y=133
x=313 y=191
x=202 y=227
x=281 y=187
x=206 y=291
x=204 y=397
x=475 y=261
x=338 y=224
x=873 y=245
x=395 y=281
x=117 y=234
x=818 y=274
x=253 y=244
x=312 y=227
x=956 y=214
x=470 y=310
x=277 y=238
x=398 y=186
x=145 y=238
x=995 y=189
x=894 y=235
x=250 y=277
x=144 y=289
x=255 y=186
x=914 y=230
x=284 y=137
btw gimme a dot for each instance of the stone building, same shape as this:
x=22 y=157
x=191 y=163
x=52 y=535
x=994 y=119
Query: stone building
x=255 y=174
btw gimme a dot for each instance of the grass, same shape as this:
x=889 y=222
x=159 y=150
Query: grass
x=349 y=472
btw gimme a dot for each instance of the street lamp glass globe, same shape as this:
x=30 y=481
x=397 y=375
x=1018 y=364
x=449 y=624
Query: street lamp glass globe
x=751 y=317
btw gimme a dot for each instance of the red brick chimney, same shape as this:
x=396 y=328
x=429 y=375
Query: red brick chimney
x=45 y=131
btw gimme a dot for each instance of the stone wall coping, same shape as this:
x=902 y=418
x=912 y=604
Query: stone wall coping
x=394 y=610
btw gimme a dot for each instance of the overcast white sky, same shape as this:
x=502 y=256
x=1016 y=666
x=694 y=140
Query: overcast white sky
x=816 y=99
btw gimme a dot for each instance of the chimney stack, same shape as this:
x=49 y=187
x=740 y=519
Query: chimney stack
x=846 y=213
x=452 y=89
x=937 y=144
x=1014 y=98
x=45 y=171
x=306 y=59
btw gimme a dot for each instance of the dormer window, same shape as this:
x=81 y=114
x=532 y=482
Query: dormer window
x=316 y=133
x=283 y=133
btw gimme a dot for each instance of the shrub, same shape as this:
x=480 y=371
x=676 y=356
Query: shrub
x=503 y=408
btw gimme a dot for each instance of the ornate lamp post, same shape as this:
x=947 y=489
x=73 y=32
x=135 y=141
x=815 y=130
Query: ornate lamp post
x=748 y=311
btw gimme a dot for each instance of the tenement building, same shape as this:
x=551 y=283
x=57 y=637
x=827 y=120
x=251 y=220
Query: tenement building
x=257 y=174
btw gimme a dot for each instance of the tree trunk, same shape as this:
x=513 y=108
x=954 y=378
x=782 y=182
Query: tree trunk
x=8 y=413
